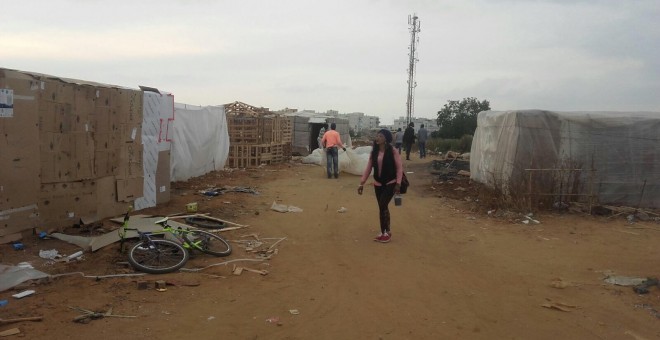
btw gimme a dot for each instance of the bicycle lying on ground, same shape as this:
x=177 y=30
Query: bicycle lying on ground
x=158 y=256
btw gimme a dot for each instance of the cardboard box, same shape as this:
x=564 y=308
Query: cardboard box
x=63 y=204
x=130 y=161
x=129 y=189
x=19 y=150
x=163 y=177
x=106 y=198
x=70 y=150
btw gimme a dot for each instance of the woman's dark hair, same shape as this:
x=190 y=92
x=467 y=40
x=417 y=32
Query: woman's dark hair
x=374 y=152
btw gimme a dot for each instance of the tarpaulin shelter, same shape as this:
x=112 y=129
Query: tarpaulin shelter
x=605 y=157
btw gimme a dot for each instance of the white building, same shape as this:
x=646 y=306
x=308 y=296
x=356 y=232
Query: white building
x=358 y=121
x=430 y=124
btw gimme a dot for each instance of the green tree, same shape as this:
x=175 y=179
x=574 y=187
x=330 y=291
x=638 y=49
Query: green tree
x=458 y=118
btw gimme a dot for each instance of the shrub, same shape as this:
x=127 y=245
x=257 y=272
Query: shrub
x=443 y=145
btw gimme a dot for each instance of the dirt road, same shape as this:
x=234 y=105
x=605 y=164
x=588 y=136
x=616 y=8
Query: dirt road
x=450 y=272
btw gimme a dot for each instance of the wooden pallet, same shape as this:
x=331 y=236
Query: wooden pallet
x=244 y=129
x=250 y=156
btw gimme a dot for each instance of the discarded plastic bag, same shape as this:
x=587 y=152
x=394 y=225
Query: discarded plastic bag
x=11 y=276
x=49 y=254
x=624 y=280
x=284 y=208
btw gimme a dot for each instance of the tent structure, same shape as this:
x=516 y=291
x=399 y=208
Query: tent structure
x=201 y=141
x=306 y=127
x=600 y=157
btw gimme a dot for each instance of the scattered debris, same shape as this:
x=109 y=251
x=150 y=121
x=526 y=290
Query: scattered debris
x=161 y=286
x=89 y=315
x=195 y=217
x=284 y=208
x=11 y=331
x=530 y=219
x=81 y=241
x=52 y=254
x=294 y=311
x=191 y=207
x=239 y=271
x=275 y=320
x=23 y=294
x=624 y=280
x=226 y=189
x=11 y=276
x=31 y=318
x=559 y=306
x=342 y=210
x=75 y=255
x=643 y=288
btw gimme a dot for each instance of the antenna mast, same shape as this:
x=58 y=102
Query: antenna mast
x=413 y=27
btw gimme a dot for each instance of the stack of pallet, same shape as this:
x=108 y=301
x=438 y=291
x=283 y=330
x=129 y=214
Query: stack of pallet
x=257 y=136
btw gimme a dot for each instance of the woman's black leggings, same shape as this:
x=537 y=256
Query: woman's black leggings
x=384 y=194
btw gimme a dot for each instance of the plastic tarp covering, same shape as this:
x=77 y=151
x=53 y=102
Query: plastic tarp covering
x=201 y=141
x=11 y=276
x=352 y=161
x=618 y=152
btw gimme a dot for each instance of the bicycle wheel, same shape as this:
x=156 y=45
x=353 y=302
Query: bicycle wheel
x=208 y=243
x=158 y=256
x=201 y=222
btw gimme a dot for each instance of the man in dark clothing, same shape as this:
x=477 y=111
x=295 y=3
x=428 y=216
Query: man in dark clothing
x=422 y=136
x=409 y=139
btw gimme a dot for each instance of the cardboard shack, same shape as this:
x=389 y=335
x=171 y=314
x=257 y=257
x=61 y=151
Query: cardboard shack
x=74 y=150
x=306 y=128
x=597 y=157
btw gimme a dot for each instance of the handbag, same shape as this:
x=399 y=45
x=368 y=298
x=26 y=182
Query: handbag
x=404 y=184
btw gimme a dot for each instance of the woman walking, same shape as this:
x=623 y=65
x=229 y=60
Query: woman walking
x=388 y=171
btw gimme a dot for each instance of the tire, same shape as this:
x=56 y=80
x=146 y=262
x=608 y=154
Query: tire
x=157 y=256
x=205 y=223
x=208 y=243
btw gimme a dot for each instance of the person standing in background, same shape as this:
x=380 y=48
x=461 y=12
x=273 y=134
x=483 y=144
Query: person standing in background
x=398 y=140
x=409 y=139
x=422 y=136
x=320 y=137
x=331 y=141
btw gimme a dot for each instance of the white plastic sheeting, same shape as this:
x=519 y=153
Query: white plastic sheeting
x=200 y=143
x=157 y=115
x=353 y=161
x=622 y=149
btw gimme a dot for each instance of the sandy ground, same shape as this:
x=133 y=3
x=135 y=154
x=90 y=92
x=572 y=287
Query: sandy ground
x=451 y=270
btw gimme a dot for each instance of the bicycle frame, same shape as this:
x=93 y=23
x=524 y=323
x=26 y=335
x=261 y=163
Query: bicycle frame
x=178 y=232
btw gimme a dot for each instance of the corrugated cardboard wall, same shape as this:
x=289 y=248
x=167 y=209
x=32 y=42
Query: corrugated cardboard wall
x=68 y=151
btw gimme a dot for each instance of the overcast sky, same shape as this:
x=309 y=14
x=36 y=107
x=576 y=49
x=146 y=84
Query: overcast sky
x=350 y=56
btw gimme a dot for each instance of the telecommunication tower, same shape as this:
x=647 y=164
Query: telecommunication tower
x=413 y=27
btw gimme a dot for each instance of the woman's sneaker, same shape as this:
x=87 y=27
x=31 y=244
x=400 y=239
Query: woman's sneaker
x=385 y=238
x=377 y=238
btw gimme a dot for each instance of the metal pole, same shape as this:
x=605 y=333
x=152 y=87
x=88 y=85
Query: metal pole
x=414 y=28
